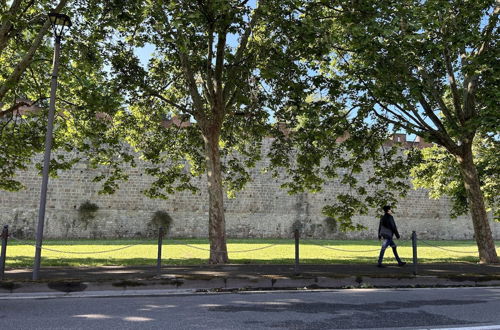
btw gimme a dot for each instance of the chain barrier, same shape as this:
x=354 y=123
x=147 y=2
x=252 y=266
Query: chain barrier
x=219 y=251
x=132 y=245
x=71 y=252
x=343 y=250
x=338 y=249
x=450 y=250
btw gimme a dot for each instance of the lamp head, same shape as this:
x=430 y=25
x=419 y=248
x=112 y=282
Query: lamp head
x=59 y=23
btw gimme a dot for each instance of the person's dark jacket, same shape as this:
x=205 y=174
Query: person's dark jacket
x=387 y=221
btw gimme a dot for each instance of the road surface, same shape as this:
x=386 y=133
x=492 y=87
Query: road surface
x=450 y=308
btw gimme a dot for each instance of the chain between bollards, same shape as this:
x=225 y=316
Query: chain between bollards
x=160 y=242
x=297 y=236
x=3 y=255
x=414 y=246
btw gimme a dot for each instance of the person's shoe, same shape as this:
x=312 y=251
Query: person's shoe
x=401 y=264
x=380 y=266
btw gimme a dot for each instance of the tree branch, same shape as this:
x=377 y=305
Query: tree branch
x=406 y=114
x=430 y=113
x=13 y=108
x=440 y=135
x=428 y=110
x=164 y=99
x=209 y=77
x=36 y=82
x=430 y=87
x=18 y=105
x=7 y=23
x=28 y=57
x=453 y=83
x=219 y=69
x=470 y=82
x=242 y=47
x=7 y=122
x=28 y=5
x=71 y=103
x=418 y=118
x=487 y=32
x=470 y=85
x=191 y=81
x=388 y=120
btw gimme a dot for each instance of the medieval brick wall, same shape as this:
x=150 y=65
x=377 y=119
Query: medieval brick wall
x=262 y=209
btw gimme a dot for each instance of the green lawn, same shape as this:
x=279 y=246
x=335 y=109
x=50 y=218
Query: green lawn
x=20 y=254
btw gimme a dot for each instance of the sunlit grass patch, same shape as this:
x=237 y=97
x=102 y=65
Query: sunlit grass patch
x=129 y=252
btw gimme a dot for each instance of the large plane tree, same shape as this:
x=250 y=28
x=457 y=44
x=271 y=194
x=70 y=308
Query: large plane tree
x=201 y=105
x=429 y=68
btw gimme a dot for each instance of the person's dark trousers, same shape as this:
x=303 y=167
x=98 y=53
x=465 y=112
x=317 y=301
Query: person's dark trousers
x=388 y=242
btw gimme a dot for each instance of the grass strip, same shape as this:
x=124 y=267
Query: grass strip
x=86 y=252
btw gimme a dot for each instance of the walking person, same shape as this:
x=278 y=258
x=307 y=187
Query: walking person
x=386 y=230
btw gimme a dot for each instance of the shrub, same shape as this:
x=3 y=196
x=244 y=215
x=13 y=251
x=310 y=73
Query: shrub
x=331 y=224
x=160 y=219
x=297 y=225
x=87 y=211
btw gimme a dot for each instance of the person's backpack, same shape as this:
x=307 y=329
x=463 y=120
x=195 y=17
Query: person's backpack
x=385 y=231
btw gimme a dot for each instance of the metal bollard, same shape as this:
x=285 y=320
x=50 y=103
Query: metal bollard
x=3 y=255
x=414 y=246
x=160 y=242
x=297 y=236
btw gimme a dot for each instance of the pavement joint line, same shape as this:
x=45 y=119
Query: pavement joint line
x=100 y=294
x=182 y=292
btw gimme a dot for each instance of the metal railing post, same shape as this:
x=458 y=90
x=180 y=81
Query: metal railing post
x=3 y=255
x=297 y=236
x=414 y=246
x=160 y=242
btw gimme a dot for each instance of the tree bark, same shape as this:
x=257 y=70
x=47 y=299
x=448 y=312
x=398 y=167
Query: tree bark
x=482 y=230
x=216 y=221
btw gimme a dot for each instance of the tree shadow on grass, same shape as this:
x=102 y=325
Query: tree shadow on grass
x=22 y=262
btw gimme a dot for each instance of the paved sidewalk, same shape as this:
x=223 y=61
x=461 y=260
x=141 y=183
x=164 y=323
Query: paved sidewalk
x=107 y=273
x=232 y=277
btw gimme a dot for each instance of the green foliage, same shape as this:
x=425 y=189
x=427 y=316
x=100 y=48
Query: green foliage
x=88 y=206
x=20 y=138
x=314 y=154
x=330 y=83
x=211 y=75
x=331 y=224
x=440 y=174
x=427 y=68
x=87 y=211
x=297 y=225
x=161 y=219
x=86 y=99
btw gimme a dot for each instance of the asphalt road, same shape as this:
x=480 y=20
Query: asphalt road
x=471 y=308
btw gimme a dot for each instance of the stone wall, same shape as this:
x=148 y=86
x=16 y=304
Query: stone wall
x=261 y=210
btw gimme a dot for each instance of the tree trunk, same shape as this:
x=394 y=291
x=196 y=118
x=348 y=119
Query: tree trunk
x=482 y=230
x=216 y=221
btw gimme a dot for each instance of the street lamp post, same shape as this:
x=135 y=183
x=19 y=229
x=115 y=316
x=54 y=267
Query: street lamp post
x=59 y=23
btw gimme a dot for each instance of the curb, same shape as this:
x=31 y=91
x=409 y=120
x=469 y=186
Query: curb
x=179 y=285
